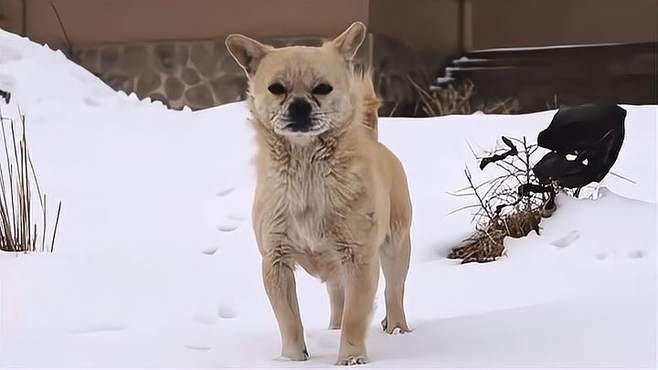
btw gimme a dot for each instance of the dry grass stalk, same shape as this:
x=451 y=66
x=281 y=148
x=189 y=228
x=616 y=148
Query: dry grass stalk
x=19 y=230
x=500 y=210
x=487 y=244
x=459 y=100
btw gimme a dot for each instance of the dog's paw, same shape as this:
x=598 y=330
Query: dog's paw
x=353 y=360
x=295 y=356
x=395 y=328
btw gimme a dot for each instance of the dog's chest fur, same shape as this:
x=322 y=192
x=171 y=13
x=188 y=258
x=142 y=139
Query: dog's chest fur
x=318 y=190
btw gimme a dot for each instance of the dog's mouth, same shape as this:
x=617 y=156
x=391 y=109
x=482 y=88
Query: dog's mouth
x=301 y=128
x=297 y=128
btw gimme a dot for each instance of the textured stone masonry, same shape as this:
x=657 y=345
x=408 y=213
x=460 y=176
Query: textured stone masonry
x=201 y=74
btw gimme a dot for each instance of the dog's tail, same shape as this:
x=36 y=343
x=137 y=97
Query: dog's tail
x=369 y=101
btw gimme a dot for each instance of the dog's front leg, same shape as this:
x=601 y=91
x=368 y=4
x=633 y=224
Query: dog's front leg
x=360 y=288
x=279 y=281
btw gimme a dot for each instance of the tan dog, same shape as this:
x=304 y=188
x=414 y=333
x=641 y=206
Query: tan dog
x=329 y=197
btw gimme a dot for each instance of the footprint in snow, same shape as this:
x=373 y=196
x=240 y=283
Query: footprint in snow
x=91 y=101
x=225 y=312
x=636 y=254
x=209 y=251
x=226 y=191
x=567 y=240
x=98 y=329
x=227 y=227
x=197 y=347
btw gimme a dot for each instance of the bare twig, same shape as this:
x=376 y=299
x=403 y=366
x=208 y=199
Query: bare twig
x=69 y=45
x=59 y=210
x=19 y=230
x=482 y=202
x=512 y=217
x=622 y=177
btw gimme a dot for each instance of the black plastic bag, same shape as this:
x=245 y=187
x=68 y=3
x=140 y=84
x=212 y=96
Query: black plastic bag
x=591 y=135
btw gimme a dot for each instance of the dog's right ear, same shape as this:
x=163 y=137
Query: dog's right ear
x=247 y=52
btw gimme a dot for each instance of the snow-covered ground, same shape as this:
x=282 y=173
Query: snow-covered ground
x=155 y=264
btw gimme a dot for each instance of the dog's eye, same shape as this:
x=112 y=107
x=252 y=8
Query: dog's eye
x=322 y=89
x=277 y=88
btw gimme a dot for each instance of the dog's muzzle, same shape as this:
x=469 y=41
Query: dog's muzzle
x=299 y=116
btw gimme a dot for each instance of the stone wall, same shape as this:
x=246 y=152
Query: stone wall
x=201 y=74
x=198 y=74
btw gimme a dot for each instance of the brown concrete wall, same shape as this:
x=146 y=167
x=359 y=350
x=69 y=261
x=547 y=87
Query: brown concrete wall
x=517 y=23
x=173 y=50
x=436 y=28
x=93 y=22
x=11 y=15
x=429 y=25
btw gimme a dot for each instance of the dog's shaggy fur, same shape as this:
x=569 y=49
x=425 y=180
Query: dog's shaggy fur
x=329 y=196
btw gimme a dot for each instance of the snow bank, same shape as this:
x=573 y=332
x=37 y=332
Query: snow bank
x=156 y=266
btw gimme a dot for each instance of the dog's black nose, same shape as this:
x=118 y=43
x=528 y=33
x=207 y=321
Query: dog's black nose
x=299 y=112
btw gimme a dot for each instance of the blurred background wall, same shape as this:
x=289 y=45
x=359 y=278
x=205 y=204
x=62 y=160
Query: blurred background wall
x=547 y=52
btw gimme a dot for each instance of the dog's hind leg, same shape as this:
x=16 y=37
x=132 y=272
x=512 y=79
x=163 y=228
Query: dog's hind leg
x=279 y=281
x=394 y=258
x=337 y=299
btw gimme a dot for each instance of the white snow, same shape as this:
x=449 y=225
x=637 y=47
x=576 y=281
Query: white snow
x=155 y=264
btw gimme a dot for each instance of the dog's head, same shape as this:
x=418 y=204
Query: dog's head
x=300 y=91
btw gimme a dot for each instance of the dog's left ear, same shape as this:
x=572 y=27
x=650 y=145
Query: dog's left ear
x=246 y=51
x=349 y=41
